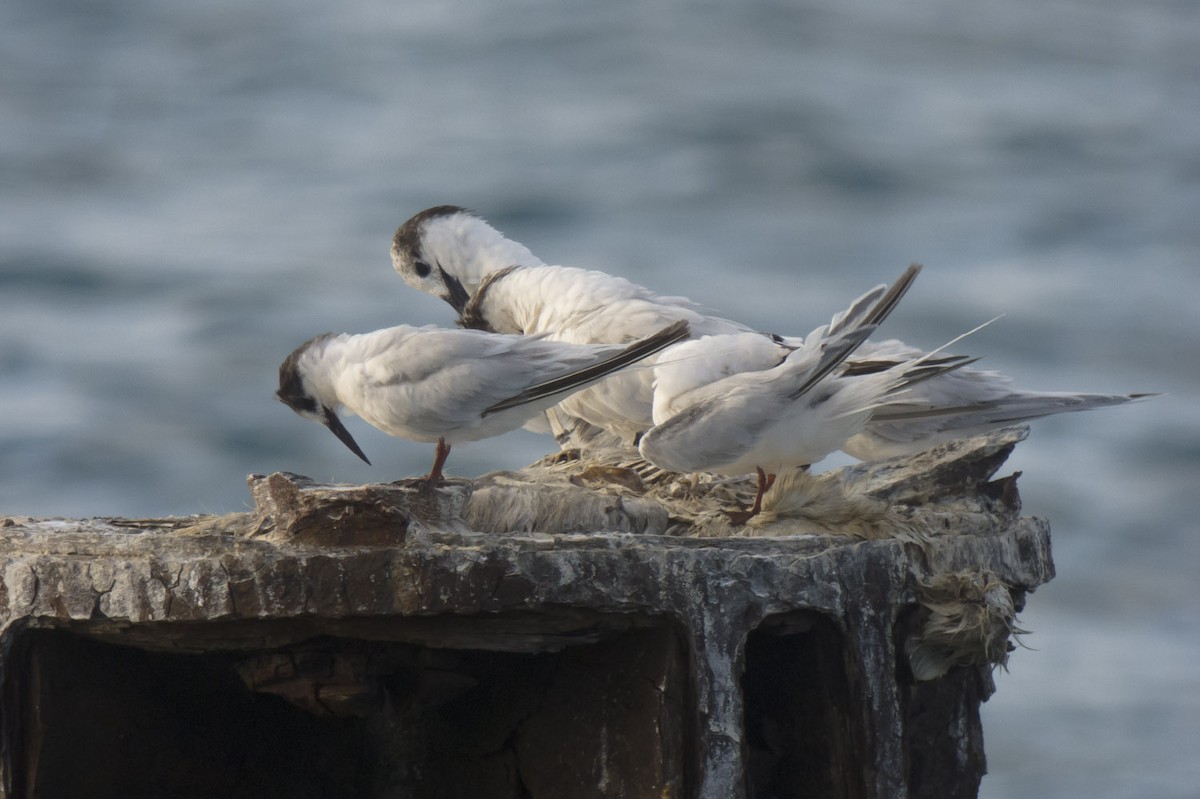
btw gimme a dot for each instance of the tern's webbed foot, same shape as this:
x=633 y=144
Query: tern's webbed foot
x=422 y=483
x=740 y=517
x=562 y=456
x=765 y=481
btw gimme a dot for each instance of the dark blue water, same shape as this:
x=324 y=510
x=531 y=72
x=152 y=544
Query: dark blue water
x=189 y=191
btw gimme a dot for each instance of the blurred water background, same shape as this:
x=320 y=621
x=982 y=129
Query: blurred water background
x=188 y=191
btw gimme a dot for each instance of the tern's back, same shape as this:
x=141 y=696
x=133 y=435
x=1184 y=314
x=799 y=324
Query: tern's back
x=584 y=307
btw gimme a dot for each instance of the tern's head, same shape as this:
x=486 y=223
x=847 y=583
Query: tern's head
x=446 y=251
x=302 y=389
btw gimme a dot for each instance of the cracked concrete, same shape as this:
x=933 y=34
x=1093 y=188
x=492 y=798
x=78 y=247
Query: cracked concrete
x=402 y=566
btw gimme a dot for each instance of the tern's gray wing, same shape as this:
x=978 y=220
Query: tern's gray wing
x=704 y=437
x=576 y=379
x=434 y=380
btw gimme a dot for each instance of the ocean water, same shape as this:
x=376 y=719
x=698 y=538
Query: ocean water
x=188 y=191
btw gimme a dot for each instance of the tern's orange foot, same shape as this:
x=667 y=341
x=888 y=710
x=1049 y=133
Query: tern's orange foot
x=740 y=517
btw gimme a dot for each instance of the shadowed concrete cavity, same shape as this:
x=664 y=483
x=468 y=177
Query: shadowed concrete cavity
x=348 y=717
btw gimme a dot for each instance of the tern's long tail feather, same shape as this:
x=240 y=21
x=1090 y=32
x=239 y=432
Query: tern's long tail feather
x=889 y=301
x=573 y=381
x=902 y=428
x=1016 y=407
x=833 y=353
x=927 y=369
x=850 y=328
x=874 y=306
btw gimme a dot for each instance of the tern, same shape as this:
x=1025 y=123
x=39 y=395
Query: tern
x=429 y=384
x=709 y=418
x=498 y=284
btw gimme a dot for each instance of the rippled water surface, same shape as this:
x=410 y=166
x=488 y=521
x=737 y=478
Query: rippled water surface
x=189 y=191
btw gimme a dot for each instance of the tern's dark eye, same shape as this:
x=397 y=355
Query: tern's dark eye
x=422 y=269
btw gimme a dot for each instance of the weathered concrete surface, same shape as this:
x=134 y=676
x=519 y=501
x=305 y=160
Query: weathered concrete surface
x=467 y=659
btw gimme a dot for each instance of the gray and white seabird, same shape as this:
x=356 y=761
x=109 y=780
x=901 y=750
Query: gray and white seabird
x=446 y=386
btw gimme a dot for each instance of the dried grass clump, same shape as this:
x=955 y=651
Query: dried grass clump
x=968 y=619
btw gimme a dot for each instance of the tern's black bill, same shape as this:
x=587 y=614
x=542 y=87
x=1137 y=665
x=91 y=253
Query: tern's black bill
x=459 y=297
x=338 y=429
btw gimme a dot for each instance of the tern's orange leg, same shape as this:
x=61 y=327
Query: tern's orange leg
x=765 y=481
x=439 y=460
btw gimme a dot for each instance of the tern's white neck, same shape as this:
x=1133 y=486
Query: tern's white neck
x=320 y=365
x=469 y=248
